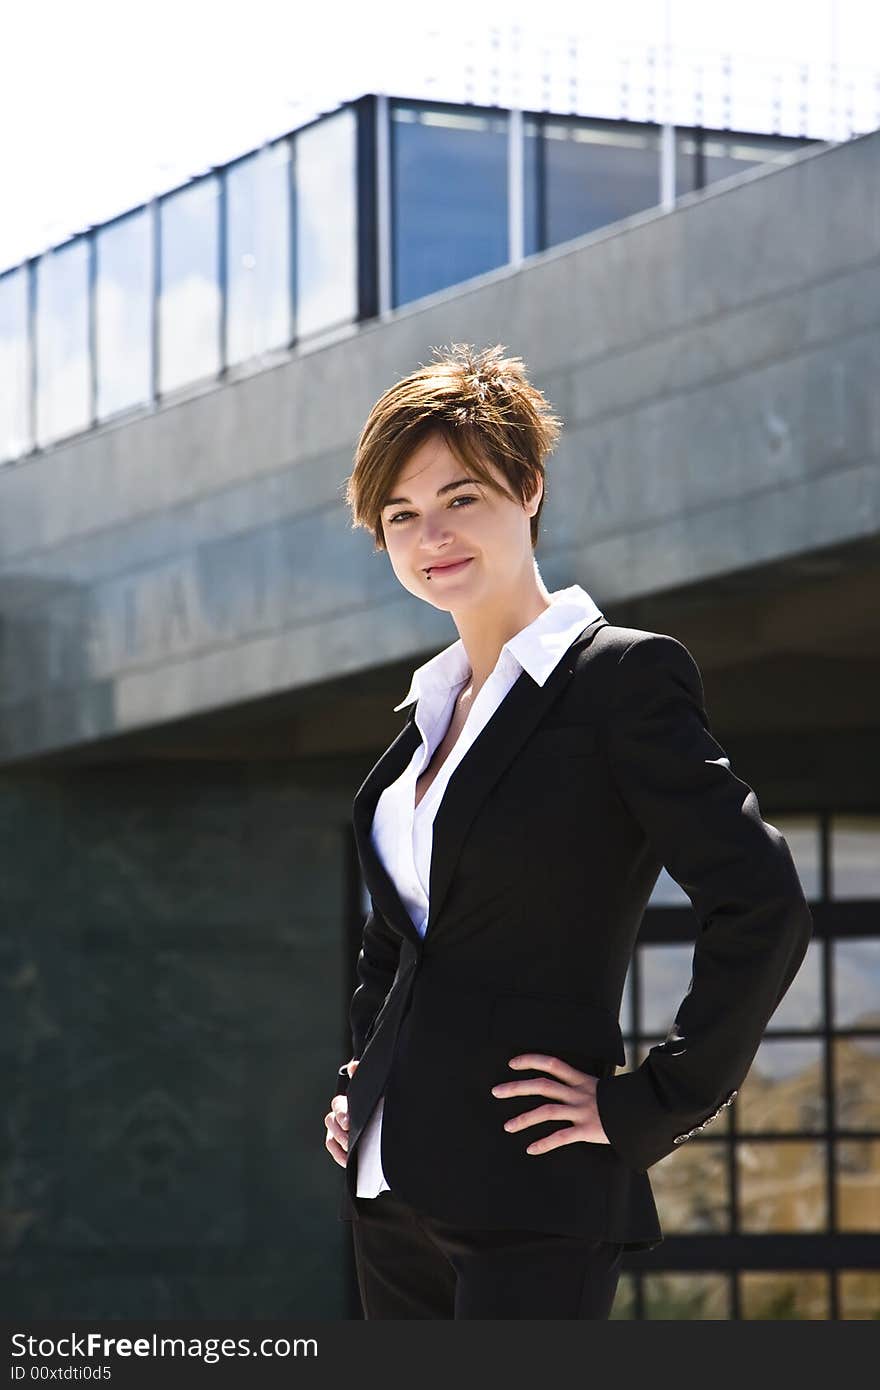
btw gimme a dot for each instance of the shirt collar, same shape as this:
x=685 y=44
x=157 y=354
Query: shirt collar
x=536 y=648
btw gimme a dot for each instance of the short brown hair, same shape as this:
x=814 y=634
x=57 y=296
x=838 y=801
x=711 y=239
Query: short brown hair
x=484 y=407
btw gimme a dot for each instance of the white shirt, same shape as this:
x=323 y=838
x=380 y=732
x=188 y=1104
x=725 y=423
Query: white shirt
x=402 y=833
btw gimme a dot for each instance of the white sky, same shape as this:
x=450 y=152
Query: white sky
x=104 y=104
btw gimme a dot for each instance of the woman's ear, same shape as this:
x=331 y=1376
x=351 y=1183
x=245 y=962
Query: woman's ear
x=532 y=503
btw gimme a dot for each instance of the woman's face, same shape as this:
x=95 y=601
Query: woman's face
x=428 y=523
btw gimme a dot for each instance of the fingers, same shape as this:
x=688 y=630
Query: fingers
x=336 y=1152
x=564 y=1071
x=539 y=1116
x=539 y=1086
x=336 y=1123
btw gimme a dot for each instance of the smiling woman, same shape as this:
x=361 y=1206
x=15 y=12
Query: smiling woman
x=485 y=410
x=510 y=837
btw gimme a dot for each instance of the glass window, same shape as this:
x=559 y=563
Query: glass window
x=123 y=309
x=14 y=366
x=687 y=1297
x=632 y=1057
x=785 y=1294
x=685 y=162
x=727 y=155
x=189 y=295
x=581 y=174
x=784 y=1089
x=858 y=1184
x=859 y=1293
x=449 y=197
x=782 y=1186
x=691 y=1186
x=258 y=253
x=804 y=838
x=701 y=160
x=665 y=974
x=667 y=893
x=63 y=370
x=856 y=966
x=857 y=1083
x=855 y=857
x=325 y=223
x=801 y=1007
x=624 y=1306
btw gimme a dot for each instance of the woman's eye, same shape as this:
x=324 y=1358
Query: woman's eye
x=397 y=515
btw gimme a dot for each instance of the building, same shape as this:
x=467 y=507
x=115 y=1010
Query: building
x=199 y=663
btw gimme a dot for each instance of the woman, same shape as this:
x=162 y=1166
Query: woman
x=510 y=838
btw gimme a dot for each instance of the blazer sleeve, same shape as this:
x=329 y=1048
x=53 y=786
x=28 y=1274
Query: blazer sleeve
x=754 y=924
x=375 y=970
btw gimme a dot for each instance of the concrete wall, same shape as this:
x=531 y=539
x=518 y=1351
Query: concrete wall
x=716 y=368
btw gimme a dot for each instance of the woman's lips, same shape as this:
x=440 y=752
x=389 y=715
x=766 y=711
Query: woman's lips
x=449 y=569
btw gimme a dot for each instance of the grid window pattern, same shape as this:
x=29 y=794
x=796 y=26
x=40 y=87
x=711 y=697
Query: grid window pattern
x=793 y=1165
x=288 y=243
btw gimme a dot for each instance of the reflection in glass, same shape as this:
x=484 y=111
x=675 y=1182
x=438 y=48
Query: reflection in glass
x=258 y=253
x=189 y=296
x=63 y=368
x=325 y=223
x=665 y=979
x=691 y=1188
x=857 y=1083
x=784 y=1089
x=123 y=309
x=856 y=966
x=685 y=163
x=14 y=370
x=855 y=857
x=687 y=1297
x=725 y=155
x=858 y=1184
x=771 y=1295
x=667 y=893
x=782 y=1186
x=801 y=1006
x=624 y=1305
x=449 y=197
x=803 y=835
x=858 y=1293
x=591 y=173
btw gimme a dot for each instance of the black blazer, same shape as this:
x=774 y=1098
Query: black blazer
x=547 y=844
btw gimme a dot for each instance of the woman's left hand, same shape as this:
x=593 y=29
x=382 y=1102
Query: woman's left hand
x=573 y=1098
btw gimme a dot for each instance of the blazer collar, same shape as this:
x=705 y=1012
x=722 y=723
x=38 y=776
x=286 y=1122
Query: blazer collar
x=497 y=744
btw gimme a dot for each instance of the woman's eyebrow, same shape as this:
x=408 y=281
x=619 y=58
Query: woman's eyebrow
x=447 y=487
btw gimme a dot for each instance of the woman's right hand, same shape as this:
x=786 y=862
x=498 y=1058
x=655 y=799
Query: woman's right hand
x=336 y=1122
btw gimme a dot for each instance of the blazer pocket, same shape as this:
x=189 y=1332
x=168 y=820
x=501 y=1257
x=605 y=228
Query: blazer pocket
x=558 y=1025
x=568 y=740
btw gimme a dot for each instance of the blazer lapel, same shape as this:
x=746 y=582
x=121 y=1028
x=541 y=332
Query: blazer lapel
x=379 y=882
x=494 y=748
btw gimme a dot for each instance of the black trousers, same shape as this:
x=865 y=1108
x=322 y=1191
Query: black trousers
x=410 y=1265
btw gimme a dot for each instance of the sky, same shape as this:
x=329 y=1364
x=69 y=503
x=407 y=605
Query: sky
x=104 y=105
